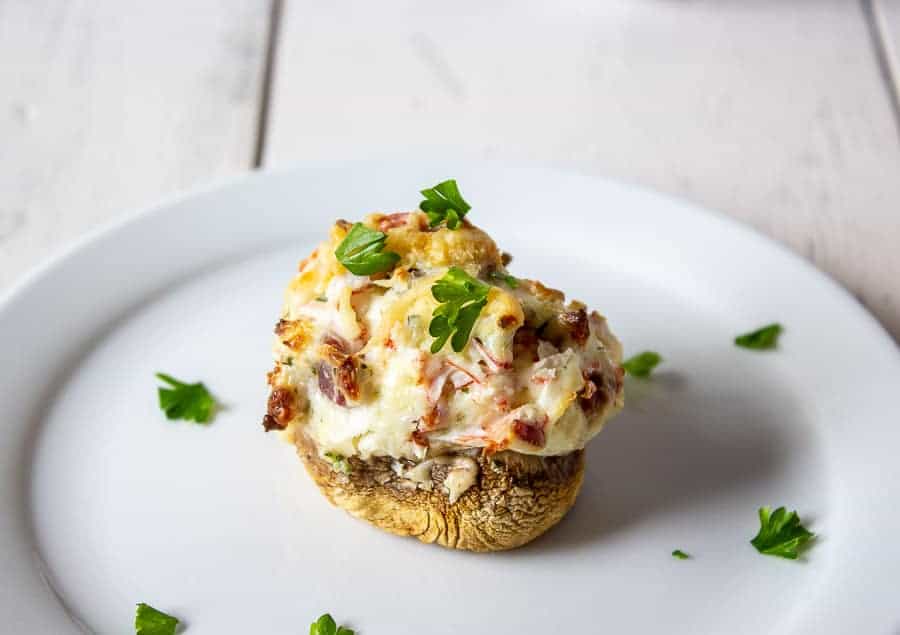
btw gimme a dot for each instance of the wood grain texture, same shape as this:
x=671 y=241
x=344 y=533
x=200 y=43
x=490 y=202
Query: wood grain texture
x=773 y=112
x=108 y=106
x=886 y=16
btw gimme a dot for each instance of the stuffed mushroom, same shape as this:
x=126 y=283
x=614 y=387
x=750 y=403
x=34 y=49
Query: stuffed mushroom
x=430 y=392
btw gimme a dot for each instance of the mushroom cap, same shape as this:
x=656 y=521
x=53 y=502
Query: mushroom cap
x=514 y=499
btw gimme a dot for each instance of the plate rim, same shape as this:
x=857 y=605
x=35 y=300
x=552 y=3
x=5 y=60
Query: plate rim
x=57 y=260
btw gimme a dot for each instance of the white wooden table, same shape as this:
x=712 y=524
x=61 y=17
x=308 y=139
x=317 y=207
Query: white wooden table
x=782 y=113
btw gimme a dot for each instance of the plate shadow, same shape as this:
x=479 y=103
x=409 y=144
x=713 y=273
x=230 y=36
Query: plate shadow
x=678 y=443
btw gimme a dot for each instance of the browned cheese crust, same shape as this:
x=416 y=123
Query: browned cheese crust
x=516 y=498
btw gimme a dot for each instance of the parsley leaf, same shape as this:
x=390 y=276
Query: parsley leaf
x=325 y=625
x=149 y=621
x=678 y=553
x=462 y=298
x=642 y=364
x=511 y=281
x=338 y=462
x=762 y=339
x=443 y=202
x=361 y=251
x=191 y=402
x=780 y=534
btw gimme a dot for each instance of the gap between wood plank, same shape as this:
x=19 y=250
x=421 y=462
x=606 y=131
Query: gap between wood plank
x=262 y=120
x=881 y=42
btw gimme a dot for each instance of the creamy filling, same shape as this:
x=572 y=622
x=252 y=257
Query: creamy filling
x=354 y=367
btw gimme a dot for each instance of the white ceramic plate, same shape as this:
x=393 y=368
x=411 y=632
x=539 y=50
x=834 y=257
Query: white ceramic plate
x=106 y=504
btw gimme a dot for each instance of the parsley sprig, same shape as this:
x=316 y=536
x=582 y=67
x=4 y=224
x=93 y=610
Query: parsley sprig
x=642 y=364
x=149 y=621
x=762 y=339
x=325 y=625
x=462 y=298
x=191 y=402
x=780 y=533
x=362 y=251
x=498 y=276
x=443 y=202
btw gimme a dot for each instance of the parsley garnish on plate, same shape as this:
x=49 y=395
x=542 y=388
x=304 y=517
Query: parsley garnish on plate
x=191 y=402
x=678 y=553
x=762 y=339
x=462 y=298
x=325 y=626
x=780 y=533
x=362 y=251
x=149 y=621
x=642 y=364
x=511 y=281
x=443 y=202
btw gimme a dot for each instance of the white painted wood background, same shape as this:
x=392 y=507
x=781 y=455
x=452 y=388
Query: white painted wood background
x=781 y=113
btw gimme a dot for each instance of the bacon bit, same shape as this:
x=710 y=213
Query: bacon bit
x=507 y=321
x=419 y=438
x=335 y=348
x=271 y=375
x=576 y=323
x=505 y=258
x=281 y=406
x=325 y=374
x=337 y=373
x=343 y=224
x=346 y=376
x=434 y=418
x=495 y=364
x=389 y=344
x=531 y=432
x=390 y=221
x=594 y=394
x=269 y=423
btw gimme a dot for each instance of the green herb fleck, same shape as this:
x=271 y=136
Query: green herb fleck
x=762 y=339
x=191 y=402
x=338 y=462
x=462 y=298
x=642 y=364
x=362 y=251
x=511 y=281
x=678 y=553
x=780 y=533
x=149 y=621
x=444 y=203
x=321 y=298
x=325 y=625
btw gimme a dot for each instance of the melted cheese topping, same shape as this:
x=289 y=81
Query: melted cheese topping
x=354 y=372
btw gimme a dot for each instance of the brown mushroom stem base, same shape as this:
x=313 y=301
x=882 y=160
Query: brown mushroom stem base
x=515 y=499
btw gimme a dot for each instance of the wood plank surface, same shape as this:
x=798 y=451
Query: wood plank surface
x=773 y=112
x=886 y=15
x=108 y=106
